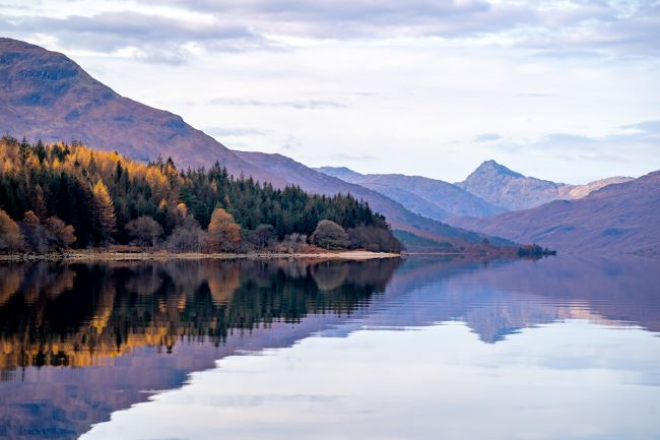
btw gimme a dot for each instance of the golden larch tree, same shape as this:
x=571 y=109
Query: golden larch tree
x=105 y=210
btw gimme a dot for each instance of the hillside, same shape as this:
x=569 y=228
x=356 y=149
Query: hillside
x=45 y=95
x=428 y=197
x=621 y=218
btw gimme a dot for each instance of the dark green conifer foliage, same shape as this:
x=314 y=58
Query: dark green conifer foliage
x=62 y=180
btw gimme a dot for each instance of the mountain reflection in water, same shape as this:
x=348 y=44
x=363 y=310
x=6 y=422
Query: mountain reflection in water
x=80 y=341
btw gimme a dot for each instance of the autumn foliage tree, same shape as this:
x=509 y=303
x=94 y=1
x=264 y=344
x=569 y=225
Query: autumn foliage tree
x=11 y=239
x=224 y=232
x=48 y=236
x=105 y=218
x=63 y=235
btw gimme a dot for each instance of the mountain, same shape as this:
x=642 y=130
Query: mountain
x=428 y=197
x=513 y=191
x=45 y=95
x=619 y=218
x=399 y=217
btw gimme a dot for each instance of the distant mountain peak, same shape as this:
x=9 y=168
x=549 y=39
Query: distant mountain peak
x=503 y=187
x=491 y=166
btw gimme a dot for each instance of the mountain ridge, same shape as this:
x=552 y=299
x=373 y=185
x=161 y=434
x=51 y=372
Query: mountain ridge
x=489 y=190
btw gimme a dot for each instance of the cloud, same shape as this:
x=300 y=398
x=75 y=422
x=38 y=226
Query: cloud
x=298 y=105
x=547 y=28
x=487 y=137
x=152 y=38
x=631 y=142
x=646 y=126
x=340 y=19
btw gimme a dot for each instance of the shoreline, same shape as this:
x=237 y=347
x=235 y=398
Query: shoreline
x=110 y=255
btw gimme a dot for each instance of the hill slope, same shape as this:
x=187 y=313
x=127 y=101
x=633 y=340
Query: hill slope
x=621 y=218
x=45 y=95
x=428 y=197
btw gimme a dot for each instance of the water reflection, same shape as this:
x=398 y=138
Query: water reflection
x=80 y=315
x=133 y=329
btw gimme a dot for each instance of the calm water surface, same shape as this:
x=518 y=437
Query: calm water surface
x=423 y=348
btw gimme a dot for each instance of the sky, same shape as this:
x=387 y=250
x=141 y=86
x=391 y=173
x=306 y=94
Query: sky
x=565 y=90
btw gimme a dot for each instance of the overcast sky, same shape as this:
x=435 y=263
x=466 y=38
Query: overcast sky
x=562 y=90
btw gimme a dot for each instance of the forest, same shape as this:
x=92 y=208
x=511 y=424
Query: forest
x=57 y=196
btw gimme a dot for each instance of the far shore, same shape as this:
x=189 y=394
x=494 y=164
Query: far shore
x=113 y=255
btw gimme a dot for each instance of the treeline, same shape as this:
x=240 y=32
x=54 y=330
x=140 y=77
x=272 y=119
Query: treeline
x=534 y=251
x=56 y=196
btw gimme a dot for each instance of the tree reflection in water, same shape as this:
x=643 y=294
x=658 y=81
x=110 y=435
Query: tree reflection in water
x=79 y=314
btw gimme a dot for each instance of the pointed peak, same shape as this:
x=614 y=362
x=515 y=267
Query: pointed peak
x=490 y=166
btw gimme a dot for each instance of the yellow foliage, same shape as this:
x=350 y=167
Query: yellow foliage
x=182 y=210
x=105 y=209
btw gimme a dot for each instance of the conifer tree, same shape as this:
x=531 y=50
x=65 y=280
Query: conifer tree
x=105 y=211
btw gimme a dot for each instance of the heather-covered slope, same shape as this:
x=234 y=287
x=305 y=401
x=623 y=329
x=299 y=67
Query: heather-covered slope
x=399 y=217
x=428 y=197
x=621 y=218
x=45 y=95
